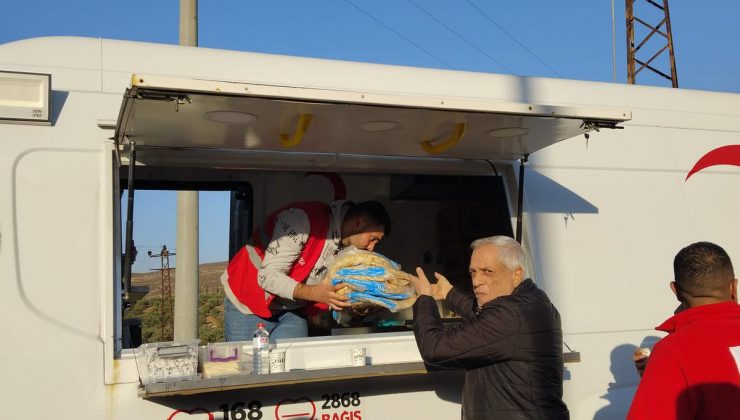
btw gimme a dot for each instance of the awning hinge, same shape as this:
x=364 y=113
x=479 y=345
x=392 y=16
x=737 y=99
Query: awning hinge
x=595 y=125
x=177 y=98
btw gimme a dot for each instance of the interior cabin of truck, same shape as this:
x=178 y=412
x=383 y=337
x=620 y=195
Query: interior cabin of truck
x=434 y=219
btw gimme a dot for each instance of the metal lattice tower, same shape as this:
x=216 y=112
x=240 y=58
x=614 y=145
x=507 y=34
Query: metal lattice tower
x=166 y=308
x=663 y=28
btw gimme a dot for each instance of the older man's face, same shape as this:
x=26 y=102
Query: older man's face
x=491 y=279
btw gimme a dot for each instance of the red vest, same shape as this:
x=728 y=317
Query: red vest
x=242 y=269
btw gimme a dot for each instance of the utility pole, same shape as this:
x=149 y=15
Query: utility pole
x=663 y=28
x=614 y=45
x=166 y=307
x=186 y=292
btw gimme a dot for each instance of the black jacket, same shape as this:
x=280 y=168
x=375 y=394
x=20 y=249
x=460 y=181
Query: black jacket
x=511 y=349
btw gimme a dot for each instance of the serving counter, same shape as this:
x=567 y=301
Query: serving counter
x=312 y=359
x=232 y=382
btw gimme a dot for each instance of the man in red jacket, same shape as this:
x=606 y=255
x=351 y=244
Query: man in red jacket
x=694 y=372
x=277 y=275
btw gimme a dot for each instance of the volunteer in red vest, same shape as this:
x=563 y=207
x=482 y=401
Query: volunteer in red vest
x=276 y=277
x=694 y=372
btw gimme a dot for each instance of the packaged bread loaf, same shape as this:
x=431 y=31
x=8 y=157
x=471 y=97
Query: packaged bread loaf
x=371 y=280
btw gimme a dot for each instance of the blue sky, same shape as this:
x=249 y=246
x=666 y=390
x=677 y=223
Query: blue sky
x=570 y=39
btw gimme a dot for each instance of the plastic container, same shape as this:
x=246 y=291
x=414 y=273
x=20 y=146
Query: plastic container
x=167 y=361
x=277 y=360
x=247 y=362
x=261 y=350
x=220 y=359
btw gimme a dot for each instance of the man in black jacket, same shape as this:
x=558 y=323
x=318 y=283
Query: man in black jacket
x=509 y=342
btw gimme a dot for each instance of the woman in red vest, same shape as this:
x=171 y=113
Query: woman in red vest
x=276 y=277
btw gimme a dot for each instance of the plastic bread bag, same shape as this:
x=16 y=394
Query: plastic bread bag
x=371 y=280
x=353 y=257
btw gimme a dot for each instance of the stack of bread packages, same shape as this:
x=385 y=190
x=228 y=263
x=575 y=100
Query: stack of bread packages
x=371 y=281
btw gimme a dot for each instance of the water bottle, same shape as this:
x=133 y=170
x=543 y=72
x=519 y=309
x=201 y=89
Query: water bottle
x=261 y=350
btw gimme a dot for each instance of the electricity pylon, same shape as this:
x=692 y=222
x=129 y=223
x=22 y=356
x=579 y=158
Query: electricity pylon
x=663 y=28
x=166 y=307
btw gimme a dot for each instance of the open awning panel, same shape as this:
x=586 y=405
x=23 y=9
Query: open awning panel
x=165 y=114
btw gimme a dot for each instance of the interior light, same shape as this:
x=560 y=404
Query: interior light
x=378 y=126
x=231 y=117
x=508 y=132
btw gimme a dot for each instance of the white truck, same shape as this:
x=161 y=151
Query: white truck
x=601 y=215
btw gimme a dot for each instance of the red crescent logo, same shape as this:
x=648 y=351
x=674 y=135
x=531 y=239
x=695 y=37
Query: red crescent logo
x=298 y=409
x=725 y=155
x=193 y=411
x=340 y=189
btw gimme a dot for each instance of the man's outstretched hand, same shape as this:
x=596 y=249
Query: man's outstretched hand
x=441 y=288
x=421 y=283
x=438 y=290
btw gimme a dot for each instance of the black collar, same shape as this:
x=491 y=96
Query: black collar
x=525 y=286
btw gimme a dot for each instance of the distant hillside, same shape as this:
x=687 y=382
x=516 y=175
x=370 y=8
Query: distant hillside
x=209 y=277
x=210 y=308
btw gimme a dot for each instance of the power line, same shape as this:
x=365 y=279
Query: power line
x=461 y=37
x=399 y=34
x=513 y=38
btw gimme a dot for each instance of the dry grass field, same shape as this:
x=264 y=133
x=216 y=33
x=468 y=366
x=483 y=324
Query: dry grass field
x=209 y=276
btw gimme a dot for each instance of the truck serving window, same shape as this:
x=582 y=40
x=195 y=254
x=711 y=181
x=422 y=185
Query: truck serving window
x=434 y=219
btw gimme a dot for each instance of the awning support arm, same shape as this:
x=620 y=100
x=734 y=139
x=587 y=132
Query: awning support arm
x=129 y=256
x=520 y=198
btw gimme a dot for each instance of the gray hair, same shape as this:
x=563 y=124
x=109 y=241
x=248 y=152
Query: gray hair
x=510 y=252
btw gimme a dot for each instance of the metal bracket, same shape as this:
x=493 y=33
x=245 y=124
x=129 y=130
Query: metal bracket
x=572 y=357
x=180 y=100
x=595 y=125
x=520 y=198
x=177 y=98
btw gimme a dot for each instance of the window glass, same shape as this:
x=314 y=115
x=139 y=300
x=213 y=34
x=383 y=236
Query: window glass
x=148 y=315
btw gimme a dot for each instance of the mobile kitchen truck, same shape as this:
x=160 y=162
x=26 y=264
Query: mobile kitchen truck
x=601 y=216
